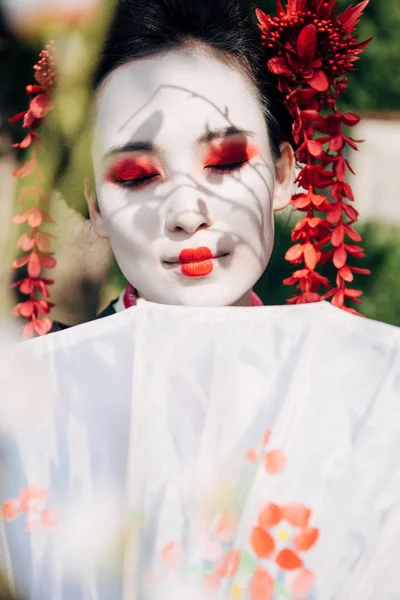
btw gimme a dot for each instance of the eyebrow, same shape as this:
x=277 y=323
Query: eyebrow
x=206 y=138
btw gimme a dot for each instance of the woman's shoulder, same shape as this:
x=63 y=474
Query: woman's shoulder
x=108 y=311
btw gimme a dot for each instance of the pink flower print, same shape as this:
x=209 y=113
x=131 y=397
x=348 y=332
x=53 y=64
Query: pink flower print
x=172 y=554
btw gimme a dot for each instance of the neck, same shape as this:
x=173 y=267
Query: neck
x=245 y=300
x=130 y=296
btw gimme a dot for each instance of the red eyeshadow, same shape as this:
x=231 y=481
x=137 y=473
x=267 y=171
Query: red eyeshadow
x=129 y=168
x=229 y=153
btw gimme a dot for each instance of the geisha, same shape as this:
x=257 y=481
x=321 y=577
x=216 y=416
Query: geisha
x=194 y=451
x=192 y=152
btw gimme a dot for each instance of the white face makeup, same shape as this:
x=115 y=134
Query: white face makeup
x=185 y=179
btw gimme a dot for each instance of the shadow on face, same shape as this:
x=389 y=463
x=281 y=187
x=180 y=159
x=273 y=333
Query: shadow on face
x=182 y=161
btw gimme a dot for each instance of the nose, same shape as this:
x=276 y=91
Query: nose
x=188 y=220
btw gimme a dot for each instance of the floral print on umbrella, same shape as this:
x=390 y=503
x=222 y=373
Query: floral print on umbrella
x=272 y=565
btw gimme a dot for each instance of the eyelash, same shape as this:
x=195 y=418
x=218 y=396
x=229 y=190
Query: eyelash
x=221 y=169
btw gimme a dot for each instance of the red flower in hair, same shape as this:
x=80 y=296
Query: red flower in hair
x=301 y=61
x=310 y=47
x=35 y=243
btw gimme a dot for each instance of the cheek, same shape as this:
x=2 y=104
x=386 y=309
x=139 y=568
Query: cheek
x=133 y=221
x=252 y=197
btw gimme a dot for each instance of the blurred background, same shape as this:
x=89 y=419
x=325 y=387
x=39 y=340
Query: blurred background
x=86 y=277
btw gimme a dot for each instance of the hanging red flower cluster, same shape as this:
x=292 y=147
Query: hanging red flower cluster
x=35 y=243
x=310 y=47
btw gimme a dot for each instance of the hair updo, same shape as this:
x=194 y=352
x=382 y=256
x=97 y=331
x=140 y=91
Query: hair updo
x=143 y=28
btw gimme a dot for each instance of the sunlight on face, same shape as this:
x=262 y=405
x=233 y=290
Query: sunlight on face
x=184 y=179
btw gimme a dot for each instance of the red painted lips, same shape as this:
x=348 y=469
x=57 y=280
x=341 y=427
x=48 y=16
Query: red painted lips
x=196 y=262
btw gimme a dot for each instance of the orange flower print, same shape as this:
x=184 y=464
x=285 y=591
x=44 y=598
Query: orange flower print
x=274 y=460
x=226 y=526
x=28 y=504
x=272 y=515
x=288 y=560
x=30 y=497
x=277 y=541
x=261 y=586
x=297 y=514
x=229 y=565
x=305 y=539
x=10 y=510
x=172 y=554
x=262 y=542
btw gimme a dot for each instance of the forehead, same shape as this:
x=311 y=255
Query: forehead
x=178 y=94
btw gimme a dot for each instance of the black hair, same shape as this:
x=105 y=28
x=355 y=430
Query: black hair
x=142 y=28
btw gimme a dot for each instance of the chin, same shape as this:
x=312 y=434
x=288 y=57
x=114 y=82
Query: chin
x=207 y=296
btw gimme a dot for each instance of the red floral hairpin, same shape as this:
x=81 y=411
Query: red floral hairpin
x=35 y=243
x=310 y=46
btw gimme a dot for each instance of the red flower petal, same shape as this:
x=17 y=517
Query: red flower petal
x=346 y=274
x=40 y=106
x=34 y=265
x=351 y=16
x=339 y=257
x=310 y=256
x=172 y=554
x=301 y=200
x=338 y=298
x=227 y=526
x=30 y=496
x=340 y=168
x=26 y=170
x=297 y=515
x=319 y=81
x=26 y=309
x=251 y=456
x=27 y=286
x=294 y=253
x=261 y=586
x=43 y=241
x=288 y=560
x=352 y=293
x=305 y=539
x=48 y=262
x=26 y=242
x=20 y=262
x=307 y=43
x=42 y=306
x=29 y=119
x=229 y=565
x=336 y=143
x=266 y=437
x=10 y=510
x=262 y=542
x=35 y=218
x=41 y=286
x=315 y=147
x=350 y=119
x=28 y=331
x=17 y=117
x=274 y=462
x=21 y=218
x=279 y=66
x=337 y=236
x=353 y=234
x=270 y=516
x=42 y=326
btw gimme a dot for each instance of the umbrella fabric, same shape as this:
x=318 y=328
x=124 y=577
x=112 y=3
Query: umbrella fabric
x=223 y=453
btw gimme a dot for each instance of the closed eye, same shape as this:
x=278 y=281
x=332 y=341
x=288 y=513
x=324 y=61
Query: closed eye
x=138 y=182
x=228 y=168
